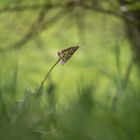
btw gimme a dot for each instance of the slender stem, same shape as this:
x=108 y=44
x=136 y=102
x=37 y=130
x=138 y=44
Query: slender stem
x=50 y=71
x=47 y=75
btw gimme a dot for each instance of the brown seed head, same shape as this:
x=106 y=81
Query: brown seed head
x=66 y=54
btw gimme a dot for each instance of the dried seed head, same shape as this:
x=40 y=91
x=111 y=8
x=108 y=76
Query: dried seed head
x=66 y=54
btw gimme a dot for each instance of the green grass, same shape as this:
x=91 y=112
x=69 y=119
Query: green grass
x=83 y=100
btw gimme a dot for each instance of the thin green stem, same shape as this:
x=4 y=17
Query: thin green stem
x=47 y=75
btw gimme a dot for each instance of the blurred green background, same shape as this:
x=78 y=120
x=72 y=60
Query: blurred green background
x=95 y=95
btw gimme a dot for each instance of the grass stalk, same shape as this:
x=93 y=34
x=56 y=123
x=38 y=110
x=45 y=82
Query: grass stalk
x=47 y=75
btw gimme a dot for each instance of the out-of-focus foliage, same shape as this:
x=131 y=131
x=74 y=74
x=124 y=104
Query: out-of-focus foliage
x=85 y=118
x=95 y=95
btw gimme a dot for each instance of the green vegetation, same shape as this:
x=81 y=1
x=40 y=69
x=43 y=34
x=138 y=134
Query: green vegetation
x=94 y=96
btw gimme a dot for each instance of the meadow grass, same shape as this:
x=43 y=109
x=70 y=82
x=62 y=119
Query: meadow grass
x=83 y=100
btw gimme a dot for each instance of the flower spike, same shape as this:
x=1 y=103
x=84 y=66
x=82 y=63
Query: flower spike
x=66 y=54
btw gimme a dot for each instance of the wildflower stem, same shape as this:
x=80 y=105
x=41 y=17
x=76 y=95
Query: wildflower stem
x=47 y=75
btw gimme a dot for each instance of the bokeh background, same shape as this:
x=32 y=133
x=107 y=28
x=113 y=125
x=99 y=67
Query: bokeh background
x=95 y=95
